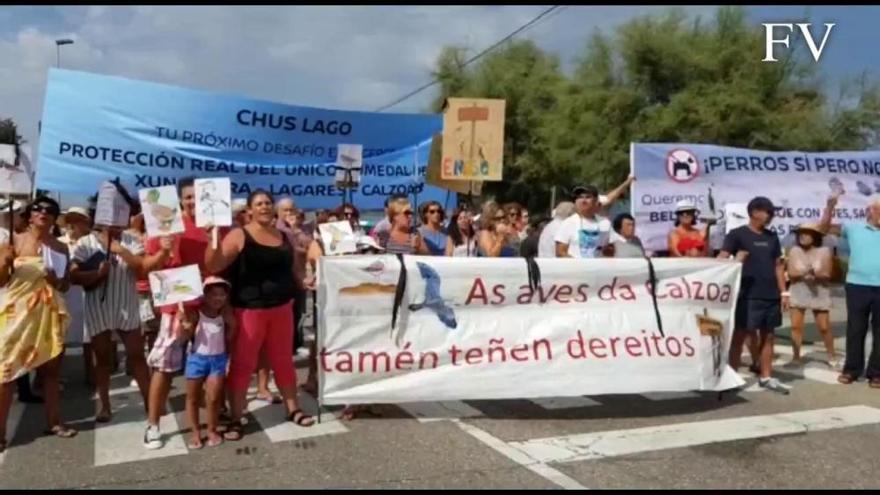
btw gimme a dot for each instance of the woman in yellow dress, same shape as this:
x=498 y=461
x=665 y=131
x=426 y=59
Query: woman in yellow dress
x=33 y=317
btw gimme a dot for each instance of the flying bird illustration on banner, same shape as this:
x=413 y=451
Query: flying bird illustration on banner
x=433 y=300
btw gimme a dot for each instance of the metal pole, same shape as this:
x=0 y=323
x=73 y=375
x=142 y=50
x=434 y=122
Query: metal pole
x=552 y=199
x=58 y=52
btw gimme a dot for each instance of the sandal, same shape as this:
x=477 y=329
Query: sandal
x=234 y=431
x=103 y=417
x=61 y=431
x=301 y=418
x=846 y=378
x=349 y=413
x=193 y=445
x=216 y=441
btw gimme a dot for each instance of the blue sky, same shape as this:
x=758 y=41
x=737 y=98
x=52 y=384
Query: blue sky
x=356 y=58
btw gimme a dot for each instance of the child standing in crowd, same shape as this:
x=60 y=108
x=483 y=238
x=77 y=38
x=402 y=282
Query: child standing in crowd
x=213 y=330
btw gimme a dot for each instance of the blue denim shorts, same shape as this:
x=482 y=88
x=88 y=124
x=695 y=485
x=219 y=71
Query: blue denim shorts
x=202 y=366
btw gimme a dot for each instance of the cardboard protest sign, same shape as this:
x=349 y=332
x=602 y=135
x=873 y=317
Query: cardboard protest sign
x=111 y=208
x=433 y=175
x=338 y=238
x=473 y=139
x=175 y=285
x=16 y=171
x=349 y=161
x=213 y=202
x=161 y=207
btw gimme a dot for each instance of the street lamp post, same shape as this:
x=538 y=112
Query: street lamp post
x=58 y=44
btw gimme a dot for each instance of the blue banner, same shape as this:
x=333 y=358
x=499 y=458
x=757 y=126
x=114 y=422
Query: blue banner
x=97 y=127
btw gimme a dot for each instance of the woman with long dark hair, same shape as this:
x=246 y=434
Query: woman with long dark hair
x=497 y=239
x=686 y=240
x=432 y=230
x=462 y=240
x=260 y=262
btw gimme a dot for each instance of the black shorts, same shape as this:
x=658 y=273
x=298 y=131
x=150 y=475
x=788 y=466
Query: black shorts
x=758 y=314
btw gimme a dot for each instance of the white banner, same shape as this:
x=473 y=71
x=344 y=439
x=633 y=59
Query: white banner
x=475 y=328
x=798 y=183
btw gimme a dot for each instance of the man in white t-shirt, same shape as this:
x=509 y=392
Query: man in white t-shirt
x=584 y=234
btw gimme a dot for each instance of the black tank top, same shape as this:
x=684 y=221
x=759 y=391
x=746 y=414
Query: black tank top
x=262 y=276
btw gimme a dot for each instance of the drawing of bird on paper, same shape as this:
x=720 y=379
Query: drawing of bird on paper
x=433 y=300
x=163 y=214
x=375 y=268
x=337 y=236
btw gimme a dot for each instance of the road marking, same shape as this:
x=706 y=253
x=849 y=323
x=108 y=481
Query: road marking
x=811 y=370
x=660 y=396
x=539 y=468
x=428 y=412
x=278 y=429
x=555 y=403
x=16 y=411
x=122 y=440
x=606 y=444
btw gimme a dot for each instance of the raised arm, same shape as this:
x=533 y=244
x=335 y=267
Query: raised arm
x=825 y=221
x=217 y=260
x=618 y=191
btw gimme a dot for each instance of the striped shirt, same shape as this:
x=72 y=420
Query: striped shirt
x=116 y=305
x=393 y=247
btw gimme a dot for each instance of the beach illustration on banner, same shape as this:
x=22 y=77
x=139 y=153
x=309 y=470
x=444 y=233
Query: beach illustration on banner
x=213 y=202
x=175 y=285
x=338 y=238
x=161 y=207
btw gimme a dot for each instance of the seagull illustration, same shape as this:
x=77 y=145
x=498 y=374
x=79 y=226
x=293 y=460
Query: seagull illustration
x=375 y=268
x=433 y=300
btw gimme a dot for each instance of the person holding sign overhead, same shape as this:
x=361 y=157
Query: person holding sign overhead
x=260 y=267
x=167 y=356
x=106 y=263
x=32 y=335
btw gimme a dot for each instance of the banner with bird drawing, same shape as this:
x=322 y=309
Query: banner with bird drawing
x=161 y=207
x=407 y=329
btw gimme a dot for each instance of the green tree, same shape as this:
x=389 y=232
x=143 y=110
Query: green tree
x=662 y=78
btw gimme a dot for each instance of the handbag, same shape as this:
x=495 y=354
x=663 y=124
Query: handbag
x=93 y=264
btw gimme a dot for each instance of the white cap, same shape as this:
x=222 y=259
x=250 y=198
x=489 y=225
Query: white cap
x=685 y=205
x=77 y=210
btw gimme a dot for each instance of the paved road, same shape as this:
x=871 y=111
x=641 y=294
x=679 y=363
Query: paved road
x=823 y=435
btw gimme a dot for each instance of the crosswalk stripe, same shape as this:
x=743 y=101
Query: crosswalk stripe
x=427 y=412
x=556 y=403
x=278 y=429
x=607 y=444
x=122 y=439
x=16 y=411
x=812 y=370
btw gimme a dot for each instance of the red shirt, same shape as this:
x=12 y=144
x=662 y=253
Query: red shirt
x=188 y=249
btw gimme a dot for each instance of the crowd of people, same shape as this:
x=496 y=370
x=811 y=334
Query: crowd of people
x=258 y=276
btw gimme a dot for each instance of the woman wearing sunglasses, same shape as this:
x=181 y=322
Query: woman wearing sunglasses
x=350 y=213
x=402 y=238
x=497 y=237
x=34 y=319
x=432 y=230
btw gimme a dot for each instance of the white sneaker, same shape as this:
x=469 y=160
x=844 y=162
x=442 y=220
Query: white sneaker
x=774 y=385
x=133 y=383
x=153 y=438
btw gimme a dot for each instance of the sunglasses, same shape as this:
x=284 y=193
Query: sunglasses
x=408 y=213
x=44 y=208
x=433 y=210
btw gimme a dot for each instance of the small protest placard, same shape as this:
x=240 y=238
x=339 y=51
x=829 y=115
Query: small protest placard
x=213 y=202
x=176 y=285
x=161 y=208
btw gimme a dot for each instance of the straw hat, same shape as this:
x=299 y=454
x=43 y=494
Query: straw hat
x=76 y=210
x=686 y=205
x=811 y=227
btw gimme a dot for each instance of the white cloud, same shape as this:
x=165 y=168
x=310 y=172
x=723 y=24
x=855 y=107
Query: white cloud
x=356 y=58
